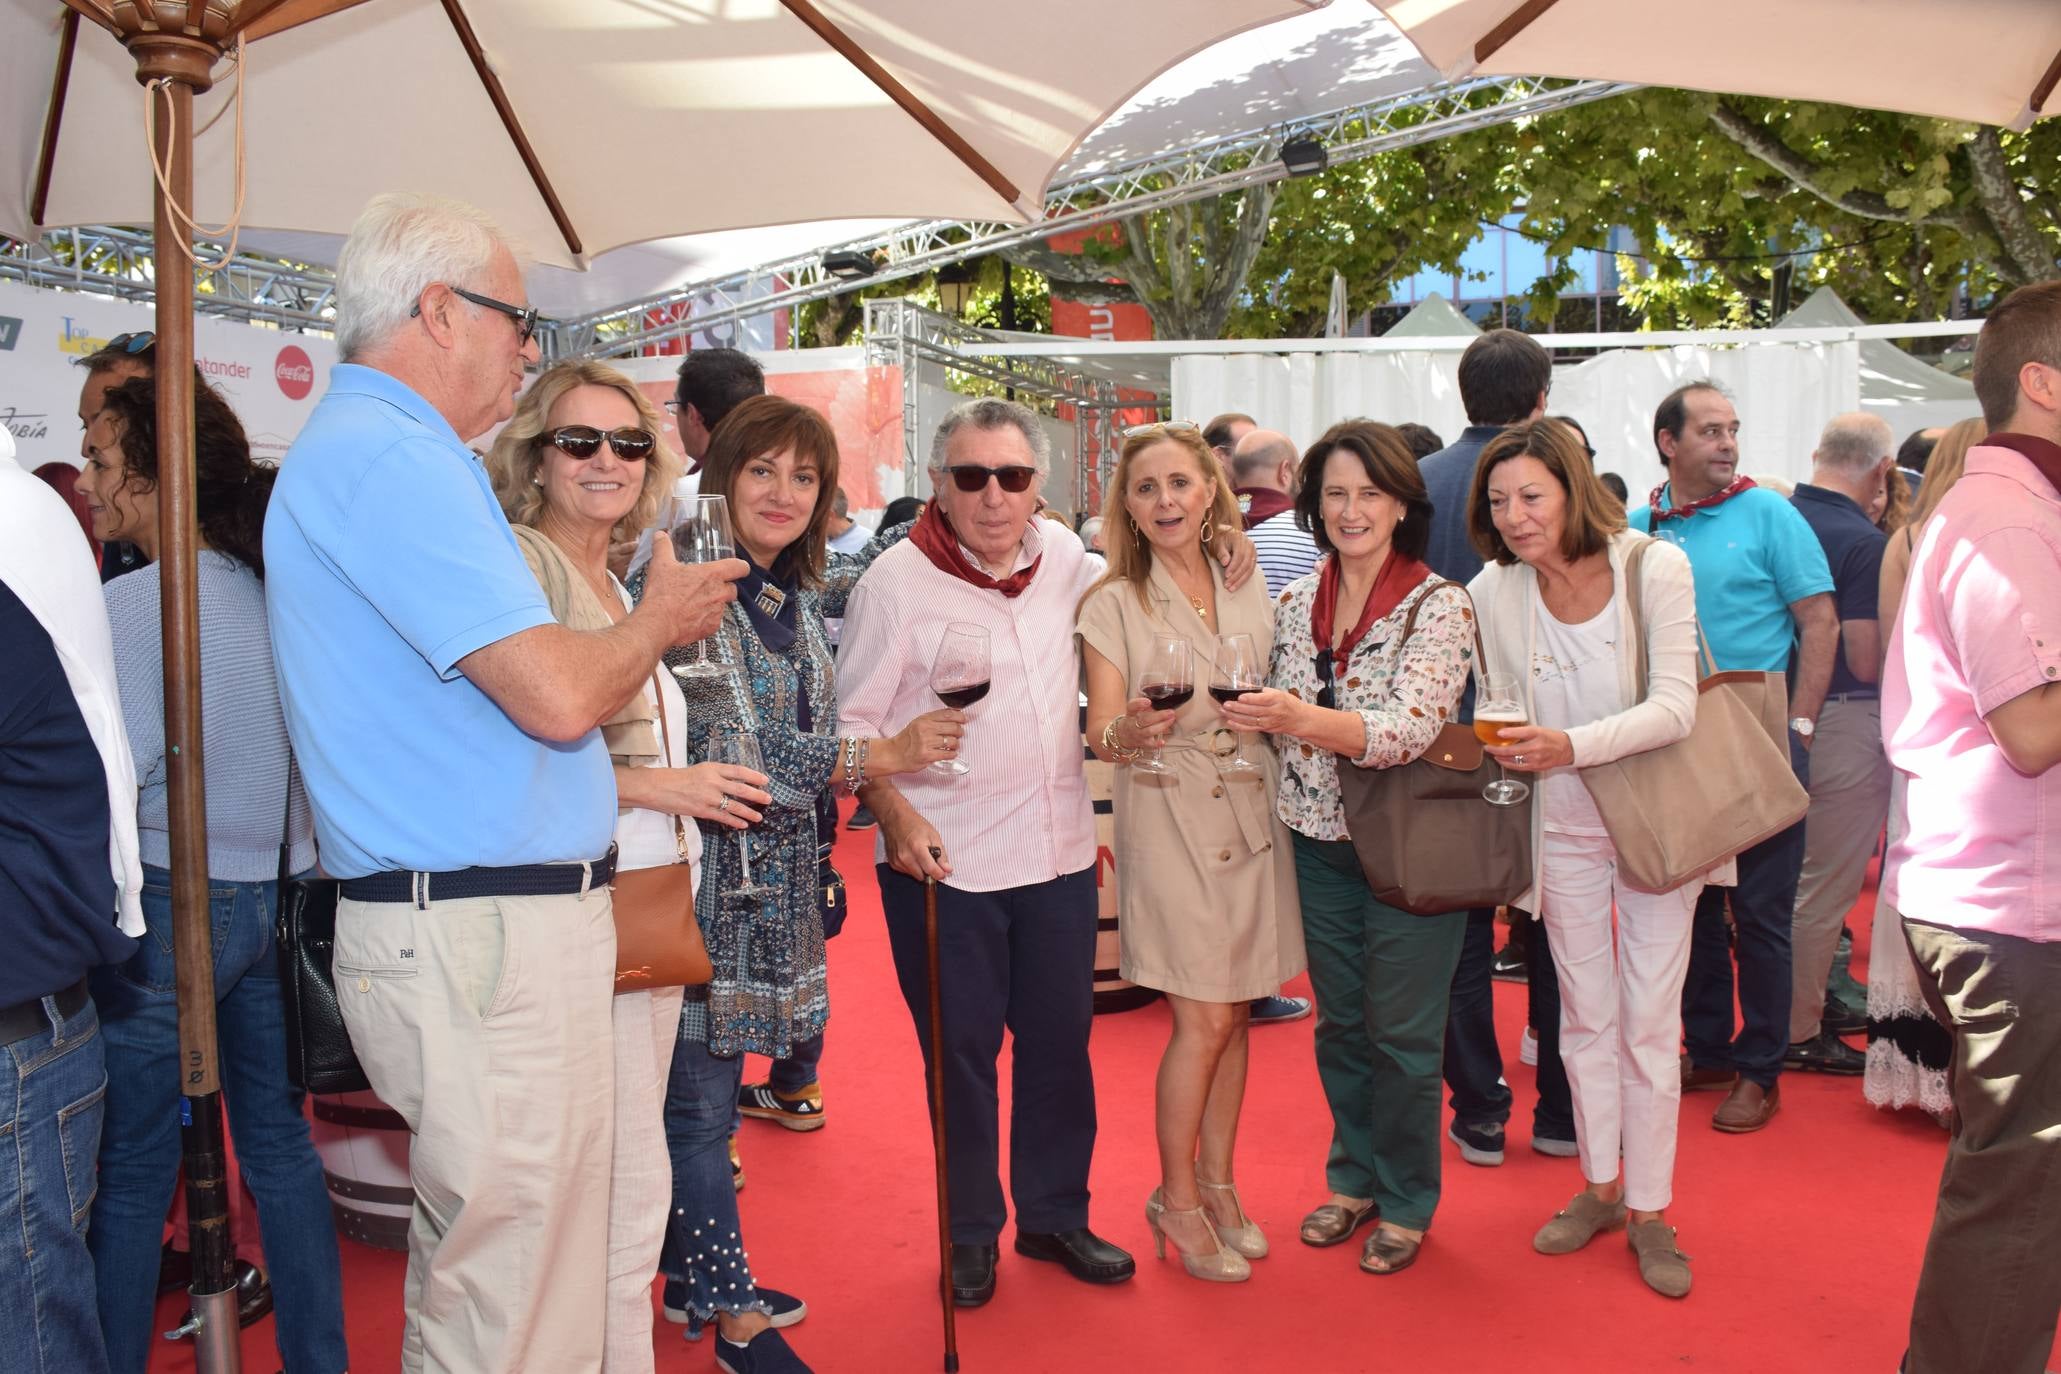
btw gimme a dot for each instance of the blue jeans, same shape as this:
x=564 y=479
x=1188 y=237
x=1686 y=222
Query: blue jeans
x=50 y=1108
x=798 y=1070
x=1763 y=907
x=139 y=1151
x=703 y=1245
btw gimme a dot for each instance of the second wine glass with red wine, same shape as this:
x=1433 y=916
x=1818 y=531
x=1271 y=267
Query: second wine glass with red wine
x=1236 y=671
x=1167 y=682
x=959 y=675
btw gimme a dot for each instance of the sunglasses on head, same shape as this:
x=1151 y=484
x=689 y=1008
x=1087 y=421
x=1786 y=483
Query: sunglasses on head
x=974 y=477
x=525 y=317
x=584 y=441
x=131 y=344
x=1164 y=427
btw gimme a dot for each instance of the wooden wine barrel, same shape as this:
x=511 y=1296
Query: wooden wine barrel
x=1113 y=992
x=364 y=1148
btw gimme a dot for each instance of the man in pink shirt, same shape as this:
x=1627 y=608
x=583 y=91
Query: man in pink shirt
x=1971 y=714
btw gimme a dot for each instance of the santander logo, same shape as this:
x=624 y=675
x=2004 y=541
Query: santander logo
x=294 y=373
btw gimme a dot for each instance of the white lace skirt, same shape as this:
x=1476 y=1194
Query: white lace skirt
x=1908 y=1049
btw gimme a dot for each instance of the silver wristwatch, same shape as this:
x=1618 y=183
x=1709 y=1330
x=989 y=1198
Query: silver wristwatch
x=1804 y=726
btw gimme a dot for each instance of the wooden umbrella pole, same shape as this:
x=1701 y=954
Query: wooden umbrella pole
x=937 y=1119
x=179 y=50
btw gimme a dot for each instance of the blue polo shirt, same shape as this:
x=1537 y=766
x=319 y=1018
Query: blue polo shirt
x=387 y=559
x=1752 y=555
x=1853 y=548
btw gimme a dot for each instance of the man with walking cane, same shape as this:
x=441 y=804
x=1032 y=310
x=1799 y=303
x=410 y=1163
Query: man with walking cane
x=1015 y=890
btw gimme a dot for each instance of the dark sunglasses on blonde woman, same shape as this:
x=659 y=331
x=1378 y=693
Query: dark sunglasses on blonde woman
x=584 y=441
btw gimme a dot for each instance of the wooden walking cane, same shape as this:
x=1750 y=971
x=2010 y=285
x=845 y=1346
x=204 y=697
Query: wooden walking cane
x=936 y=1071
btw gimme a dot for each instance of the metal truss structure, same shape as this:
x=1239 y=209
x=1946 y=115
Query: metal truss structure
x=122 y=263
x=119 y=262
x=1207 y=169
x=902 y=334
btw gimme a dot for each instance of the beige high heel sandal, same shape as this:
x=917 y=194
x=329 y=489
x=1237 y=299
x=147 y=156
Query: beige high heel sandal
x=1224 y=1266
x=1246 y=1237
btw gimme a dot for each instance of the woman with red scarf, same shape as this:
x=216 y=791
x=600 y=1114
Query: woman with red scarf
x=1341 y=685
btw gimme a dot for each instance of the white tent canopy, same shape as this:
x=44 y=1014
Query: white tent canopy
x=1909 y=393
x=1434 y=317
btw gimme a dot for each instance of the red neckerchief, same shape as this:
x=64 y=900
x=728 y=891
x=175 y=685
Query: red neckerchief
x=933 y=534
x=1262 y=503
x=1399 y=577
x=1716 y=498
x=2041 y=453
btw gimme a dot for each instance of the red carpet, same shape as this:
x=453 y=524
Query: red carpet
x=1806 y=1237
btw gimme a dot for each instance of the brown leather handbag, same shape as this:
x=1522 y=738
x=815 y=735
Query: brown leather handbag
x=1676 y=812
x=657 y=940
x=1427 y=841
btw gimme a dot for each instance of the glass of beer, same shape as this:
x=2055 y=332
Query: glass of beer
x=1499 y=707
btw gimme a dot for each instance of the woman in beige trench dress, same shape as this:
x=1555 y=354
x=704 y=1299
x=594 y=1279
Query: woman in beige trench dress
x=1206 y=886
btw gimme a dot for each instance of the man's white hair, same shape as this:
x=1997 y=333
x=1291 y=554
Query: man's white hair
x=1854 y=443
x=403 y=243
x=991 y=412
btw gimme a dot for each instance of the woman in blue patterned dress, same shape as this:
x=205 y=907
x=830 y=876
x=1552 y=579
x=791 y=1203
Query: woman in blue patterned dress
x=776 y=463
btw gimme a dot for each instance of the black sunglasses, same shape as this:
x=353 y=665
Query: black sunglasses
x=525 y=317
x=974 y=477
x=584 y=441
x=131 y=344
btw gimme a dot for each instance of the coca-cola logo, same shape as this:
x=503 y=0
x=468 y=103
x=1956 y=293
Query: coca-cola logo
x=294 y=373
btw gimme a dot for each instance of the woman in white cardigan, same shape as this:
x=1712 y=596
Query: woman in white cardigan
x=1553 y=607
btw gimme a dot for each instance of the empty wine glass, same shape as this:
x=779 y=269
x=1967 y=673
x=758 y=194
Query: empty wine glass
x=1167 y=681
x=959 y=675
x=1235 y=671
x=733 y=744
x=701 y=534
x=1499 y=707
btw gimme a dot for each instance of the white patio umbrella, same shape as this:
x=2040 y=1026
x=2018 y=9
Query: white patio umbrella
x=580 y=127
x=1986 y=61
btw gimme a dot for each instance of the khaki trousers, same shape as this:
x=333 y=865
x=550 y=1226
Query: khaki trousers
x=1990 y=1292
x=486 y=1023
x=640 y=1185
x=1849 y=802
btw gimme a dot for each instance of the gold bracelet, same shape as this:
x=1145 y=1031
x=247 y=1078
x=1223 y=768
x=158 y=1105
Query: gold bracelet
x=1117 y=751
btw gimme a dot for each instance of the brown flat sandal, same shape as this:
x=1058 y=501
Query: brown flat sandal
x=1395 y=1250
x=1332 y=1224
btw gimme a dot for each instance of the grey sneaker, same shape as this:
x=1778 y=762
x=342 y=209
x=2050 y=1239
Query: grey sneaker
x=1576 y=1224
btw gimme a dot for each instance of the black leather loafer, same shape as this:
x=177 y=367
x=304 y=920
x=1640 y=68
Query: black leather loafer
x=1086 y=1255
x=973 y=1274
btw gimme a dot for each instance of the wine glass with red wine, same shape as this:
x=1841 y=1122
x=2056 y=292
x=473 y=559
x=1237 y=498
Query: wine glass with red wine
x=959 y=675
x=1236 y=671
x=1167 y=682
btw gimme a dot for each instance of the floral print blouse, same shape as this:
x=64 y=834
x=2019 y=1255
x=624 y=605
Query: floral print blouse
x=1404 y=698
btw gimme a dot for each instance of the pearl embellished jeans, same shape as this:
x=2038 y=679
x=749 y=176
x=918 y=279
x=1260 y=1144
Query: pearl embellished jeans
x=703 y=1242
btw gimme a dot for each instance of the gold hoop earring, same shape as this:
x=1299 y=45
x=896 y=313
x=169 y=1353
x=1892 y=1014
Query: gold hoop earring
x=1207 y=534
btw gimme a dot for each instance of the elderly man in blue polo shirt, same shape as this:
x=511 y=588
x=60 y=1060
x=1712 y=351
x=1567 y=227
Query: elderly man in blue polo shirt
x=1763 y=594
x=445 y=726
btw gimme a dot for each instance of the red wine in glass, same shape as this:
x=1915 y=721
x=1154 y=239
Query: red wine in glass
x=959 y=698
x=1236 y=671
x=1226 y=695
x=1168 y=696
x=1168 y=682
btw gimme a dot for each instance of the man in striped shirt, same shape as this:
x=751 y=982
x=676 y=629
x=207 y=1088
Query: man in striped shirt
x=1263 y=464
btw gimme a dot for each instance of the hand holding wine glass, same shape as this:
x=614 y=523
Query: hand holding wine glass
x=1236 y=671
x=739 y=747
x=700 y=534
x=1497 y=708
x=1168 y=682
x=960 y=675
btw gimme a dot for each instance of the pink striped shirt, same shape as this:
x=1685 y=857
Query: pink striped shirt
x=1980 y=624
x=1022 y=815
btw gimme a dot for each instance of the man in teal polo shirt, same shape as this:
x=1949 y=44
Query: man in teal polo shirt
x=1763 y=594
x=445 y=726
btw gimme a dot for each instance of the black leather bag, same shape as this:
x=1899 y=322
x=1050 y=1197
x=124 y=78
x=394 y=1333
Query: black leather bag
x=319 y=1057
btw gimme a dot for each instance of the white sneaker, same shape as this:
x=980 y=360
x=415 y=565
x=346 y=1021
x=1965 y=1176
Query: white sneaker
x=1528 y=1048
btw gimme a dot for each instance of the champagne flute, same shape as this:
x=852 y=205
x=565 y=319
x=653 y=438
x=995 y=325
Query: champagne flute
x=733 y=744
x=959 y=675
x=1234 y=672
x=701 y=534
x=1499 y=707
x=1168 y=681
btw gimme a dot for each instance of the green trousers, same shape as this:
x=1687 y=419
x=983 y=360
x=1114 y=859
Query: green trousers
x=1382 y=978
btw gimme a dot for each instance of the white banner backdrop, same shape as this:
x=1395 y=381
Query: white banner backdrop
x=1785 y=392
x=271 y=378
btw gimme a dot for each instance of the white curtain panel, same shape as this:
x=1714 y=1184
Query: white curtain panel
x=1785 y=392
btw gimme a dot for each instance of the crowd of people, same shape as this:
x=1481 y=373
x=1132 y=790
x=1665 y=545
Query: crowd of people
x=479 y=687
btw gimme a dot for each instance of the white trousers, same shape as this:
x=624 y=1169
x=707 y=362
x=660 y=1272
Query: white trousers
x=1620 y=1012
x=647 y=1026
